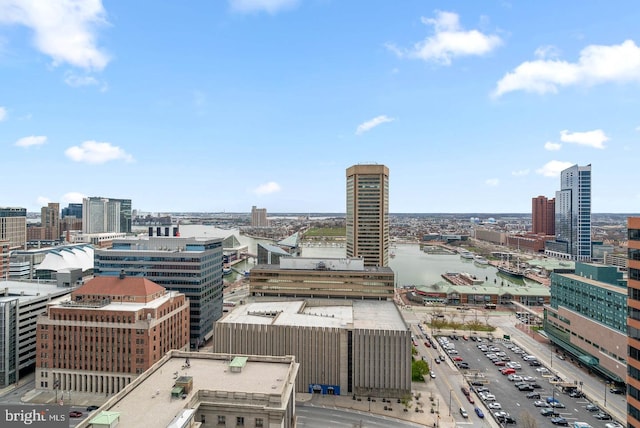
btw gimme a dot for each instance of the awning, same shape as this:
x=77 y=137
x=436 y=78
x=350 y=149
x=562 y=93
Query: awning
x=589 y=360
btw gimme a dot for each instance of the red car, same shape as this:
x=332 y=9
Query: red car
x=499 y=363
x=75 y=414
x=457 y=359
x=427 y=344
x=471 y=400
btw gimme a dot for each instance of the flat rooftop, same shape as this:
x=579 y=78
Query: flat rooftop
x=358 y=314
x=147 y=402
x=26 y=291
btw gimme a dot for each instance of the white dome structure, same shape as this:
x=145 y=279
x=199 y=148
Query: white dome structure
x=77 y=257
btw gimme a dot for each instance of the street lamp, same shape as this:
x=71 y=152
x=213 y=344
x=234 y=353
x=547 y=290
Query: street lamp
x=605 y=394
x=449 y=402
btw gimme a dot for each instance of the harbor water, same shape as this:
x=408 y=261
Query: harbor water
x=411 y=265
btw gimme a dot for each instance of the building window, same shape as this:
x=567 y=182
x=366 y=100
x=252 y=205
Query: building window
x=222 y=420
x=259 y=422
x=240 y=421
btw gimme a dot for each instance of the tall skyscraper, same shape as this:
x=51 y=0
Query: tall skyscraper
x=543 y=212
x=102 y=215
x=13 y=227
x=633 y=322
x=573 y=212
x=368 y=213
x=259 y=217
x=50 y=220
x=191 y=266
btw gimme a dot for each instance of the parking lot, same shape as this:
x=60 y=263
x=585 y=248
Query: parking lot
x=508 y=384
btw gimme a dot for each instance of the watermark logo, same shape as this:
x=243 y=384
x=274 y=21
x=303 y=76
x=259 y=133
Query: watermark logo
x=12 y=416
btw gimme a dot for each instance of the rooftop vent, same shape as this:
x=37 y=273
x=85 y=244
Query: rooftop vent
x=121 y=276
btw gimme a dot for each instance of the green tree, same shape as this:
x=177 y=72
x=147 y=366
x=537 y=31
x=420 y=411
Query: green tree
x=419 y=369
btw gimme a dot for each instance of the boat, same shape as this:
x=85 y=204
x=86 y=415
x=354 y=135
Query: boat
x=481 y=261
x=509 y=271
x=226 y=270
x=392 y=255
x=466 y=254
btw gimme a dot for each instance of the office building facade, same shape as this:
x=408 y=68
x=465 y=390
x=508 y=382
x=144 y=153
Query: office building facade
x=633 y=323
x=368 y=214
x=109 y=332
x=50 y=221
x=543 y=213
x=72 y=210
x=322 y=278
x=573 y=214
x=587 y=318
x=192 y=266
x=21 y=303
x=102 y=215
x=344 y=347
x=13 y=226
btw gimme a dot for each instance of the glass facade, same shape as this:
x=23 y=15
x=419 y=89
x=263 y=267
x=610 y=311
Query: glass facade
x=573 y=211
x=187 y=265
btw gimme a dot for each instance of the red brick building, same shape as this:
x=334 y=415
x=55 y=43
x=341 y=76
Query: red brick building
x=543 y=213
x=112 y=330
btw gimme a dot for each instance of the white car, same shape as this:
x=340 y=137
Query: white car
x=514 y=378
x=529 y=357
x=494 y=406
x=542 y=370
x=528 y=378
x=489 y=397
x=514 y=365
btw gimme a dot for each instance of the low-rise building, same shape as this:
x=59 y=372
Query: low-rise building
x=308 y=277
x=191 y=389
x=344 y=347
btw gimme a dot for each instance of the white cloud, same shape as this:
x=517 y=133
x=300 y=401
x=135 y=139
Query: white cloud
x=551 y=146
x=94 y=152
x=65 y=30
x=448 y=41
x=597 y=64
x=3 y=113
x=76 y=80
x=520 y=173
x=553 y=168
x=269 y=6
x=73 y=198
x=594 y=138
x=545 y=52
x=492 y=182
x=31 y=141
x=370 y=124
x=43 y=201
x=267 y=188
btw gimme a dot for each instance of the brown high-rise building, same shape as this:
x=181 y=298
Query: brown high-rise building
x=543 y=213
x=50 y=221
x=112 y=330
x=633 y=322
x=368 y=214
x=259 y=217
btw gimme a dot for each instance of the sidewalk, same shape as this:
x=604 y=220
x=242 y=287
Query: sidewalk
x=422 y=393
x=68 y=398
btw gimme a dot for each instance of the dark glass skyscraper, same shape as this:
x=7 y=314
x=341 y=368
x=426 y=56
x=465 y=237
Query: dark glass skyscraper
x=573 y=212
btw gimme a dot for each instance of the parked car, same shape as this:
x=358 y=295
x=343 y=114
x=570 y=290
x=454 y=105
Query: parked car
x=602 y=416
x=464 y=390
x=92 y=408
x=559 y=420
x=495 y=406
x=75 y=414
x=549 y=411
x=470 y=399
x=533 y=395
x=526 y=387
x=540 y=403
x=558 y=405
x=592 y=407
x=616 y=391
x=464 y=413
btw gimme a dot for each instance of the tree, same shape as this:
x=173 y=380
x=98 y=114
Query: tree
x=419 y=369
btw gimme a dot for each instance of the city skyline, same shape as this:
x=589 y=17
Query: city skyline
x=474 y=108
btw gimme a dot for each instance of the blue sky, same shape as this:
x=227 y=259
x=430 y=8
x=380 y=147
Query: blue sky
x=475 y=106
